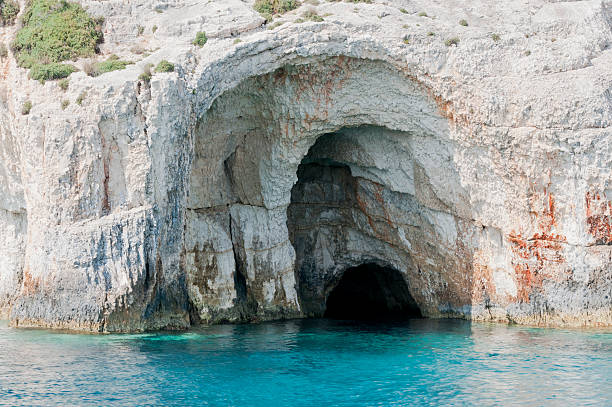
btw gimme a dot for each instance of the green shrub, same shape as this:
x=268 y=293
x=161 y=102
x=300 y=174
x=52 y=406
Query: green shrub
x=3 y=50
x=311 y=15
x=65 y=104
x=109 y=65
x=403 y=10
x=8 y=12
x=89 y=67
x=200 y=39
x=112 y=65
x=271 y=7
x=451 y=41
x=81 y=98
x=237 y=41
x=495 y=37
x=54 y=31
x=54 y=70
x=63 y=84
x=463 y=23
x=153 y=29
x=164 y=66
x=422 y=14
x=146 y=74
x=27 y=106
x=140 y=30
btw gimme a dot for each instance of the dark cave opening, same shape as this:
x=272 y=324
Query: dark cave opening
x=325 y=219
x=371 y=292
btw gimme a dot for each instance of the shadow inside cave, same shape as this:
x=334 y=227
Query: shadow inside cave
x=349 y=262
x=370 y=292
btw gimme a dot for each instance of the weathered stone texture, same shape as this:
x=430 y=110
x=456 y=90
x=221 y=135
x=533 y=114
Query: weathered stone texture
x=241 y=186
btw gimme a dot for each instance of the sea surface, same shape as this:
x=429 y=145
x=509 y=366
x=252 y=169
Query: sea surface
x=311 y=363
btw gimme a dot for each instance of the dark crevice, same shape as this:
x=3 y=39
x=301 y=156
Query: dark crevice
x=244 y=302
x=239 y=278
x=240 y=283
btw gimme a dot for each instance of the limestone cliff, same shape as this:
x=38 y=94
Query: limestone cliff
x=475 y=159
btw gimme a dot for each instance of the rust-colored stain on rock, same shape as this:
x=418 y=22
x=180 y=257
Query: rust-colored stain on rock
x=535 y=257
x=599 y=217
x=30 y=284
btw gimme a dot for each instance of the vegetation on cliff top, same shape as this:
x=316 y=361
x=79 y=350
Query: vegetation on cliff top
x=27 y=106
x=310 y=15
x=8 y=11
x=164 y=66
x=63 y=84
x=200 y=39
x=50 y=71
x=81 y=98
x=452 y=41
x=55 y=31
x=269 y=8
x=112 y=63
x=146 y=74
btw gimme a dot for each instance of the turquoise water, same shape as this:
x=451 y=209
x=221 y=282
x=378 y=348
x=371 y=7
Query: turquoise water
x=311 y=363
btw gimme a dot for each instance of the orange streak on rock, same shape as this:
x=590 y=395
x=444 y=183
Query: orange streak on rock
x=535 y=257
x=30 y=284
x=599 y=218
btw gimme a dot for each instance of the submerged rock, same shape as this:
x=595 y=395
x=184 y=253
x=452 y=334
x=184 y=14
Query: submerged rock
x=475 y=160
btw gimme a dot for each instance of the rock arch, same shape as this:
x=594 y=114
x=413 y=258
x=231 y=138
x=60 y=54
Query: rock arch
x=409 y=206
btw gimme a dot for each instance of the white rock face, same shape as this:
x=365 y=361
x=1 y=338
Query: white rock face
x=241 y=186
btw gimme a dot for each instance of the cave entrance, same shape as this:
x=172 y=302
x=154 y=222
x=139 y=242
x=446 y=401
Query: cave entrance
x=340 y=228
x=371 y=292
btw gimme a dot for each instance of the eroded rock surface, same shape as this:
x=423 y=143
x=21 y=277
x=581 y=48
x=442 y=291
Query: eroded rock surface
x=243 y=185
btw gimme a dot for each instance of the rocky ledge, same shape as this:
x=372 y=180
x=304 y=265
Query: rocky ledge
x=466 y=145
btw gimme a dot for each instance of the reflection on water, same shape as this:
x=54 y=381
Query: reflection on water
x=310 y=363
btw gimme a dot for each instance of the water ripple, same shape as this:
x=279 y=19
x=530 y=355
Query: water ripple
x=310 y=363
